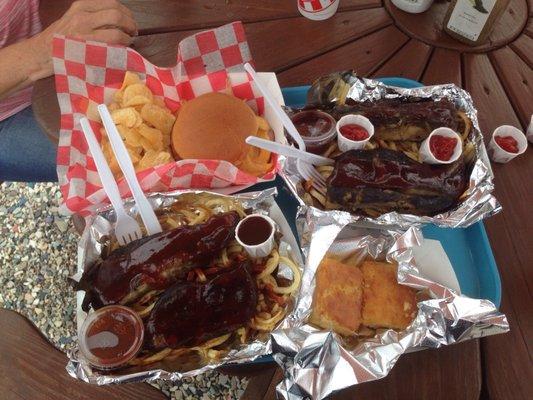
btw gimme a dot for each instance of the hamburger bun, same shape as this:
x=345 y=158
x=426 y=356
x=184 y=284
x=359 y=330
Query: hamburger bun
x=213 y=126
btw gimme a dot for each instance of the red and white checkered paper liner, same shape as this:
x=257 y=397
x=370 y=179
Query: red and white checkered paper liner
x=90 y=72
x=314 y=5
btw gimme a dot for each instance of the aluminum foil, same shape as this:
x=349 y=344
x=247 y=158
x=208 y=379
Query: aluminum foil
x=478 y=202
x=91 y=245
x=317 y=363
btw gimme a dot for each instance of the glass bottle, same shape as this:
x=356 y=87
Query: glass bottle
x=471 y=21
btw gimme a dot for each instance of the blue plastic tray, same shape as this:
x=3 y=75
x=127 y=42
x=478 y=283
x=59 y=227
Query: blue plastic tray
x=468 y=249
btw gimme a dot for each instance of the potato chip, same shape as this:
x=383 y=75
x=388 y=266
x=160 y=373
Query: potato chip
x=158 y=117
x=118 y=96
x=113 y=106
x=152 y=158
x=127 y=116
x=135 y=158
x=137 y=94
x=166 y=141
x=158 y=101
x=144 y=123
x=92 y=111
x=131 y=136
x=130 y=78
x=147 y=145
x=154 y=136
x=110 y=157
x=139 y=150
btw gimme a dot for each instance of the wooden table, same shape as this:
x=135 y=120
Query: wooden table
x=375 y=39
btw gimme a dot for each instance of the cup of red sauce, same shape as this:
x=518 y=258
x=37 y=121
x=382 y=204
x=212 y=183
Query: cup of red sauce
x=255 y=233
x=111 y=336
x=506 y=143
x=316 y=128
x=442 y=146
x=353 y=132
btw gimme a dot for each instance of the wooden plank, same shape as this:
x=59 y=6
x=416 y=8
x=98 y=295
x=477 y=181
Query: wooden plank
x=273 y=43
x=276 y=47
x=529 y=27
x=523 y=46
x=494 y=108
x=194 y=14
x=365 y=55
x=167 y=15
x=409 y=62
x=31 y=368
x=436 y=73
x=258 y=386
x=429 y=374
x=507 y=358
x=428 y=26
x=517 y=79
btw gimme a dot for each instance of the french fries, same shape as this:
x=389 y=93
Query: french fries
x=257 y=161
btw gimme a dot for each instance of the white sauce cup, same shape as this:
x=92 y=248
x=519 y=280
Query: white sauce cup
x=346 y=144
x=425 y=151
x=499 y=155
x=262 y=249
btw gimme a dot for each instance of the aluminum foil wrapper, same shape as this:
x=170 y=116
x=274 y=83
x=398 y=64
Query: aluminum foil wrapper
x=478 y=202
x=91 y=245
x=317 y=363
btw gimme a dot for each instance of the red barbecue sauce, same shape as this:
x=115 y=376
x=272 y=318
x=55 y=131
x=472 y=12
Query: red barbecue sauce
x=354 y=132
x=317 y=129
x=114 y=336
x=508 y=143
x=254 y=230
x=442 y=147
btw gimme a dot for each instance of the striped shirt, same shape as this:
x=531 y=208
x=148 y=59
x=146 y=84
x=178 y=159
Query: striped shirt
x=19 y=20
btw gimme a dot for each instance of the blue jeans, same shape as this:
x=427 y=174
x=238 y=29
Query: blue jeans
x=26 y=153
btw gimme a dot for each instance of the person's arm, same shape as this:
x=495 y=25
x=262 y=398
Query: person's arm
x=23 y=63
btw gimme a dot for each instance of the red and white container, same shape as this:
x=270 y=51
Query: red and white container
x=318 y=9
x=500 y=155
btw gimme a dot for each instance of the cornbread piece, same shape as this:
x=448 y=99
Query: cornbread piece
x=386 y=303
x=337 y=297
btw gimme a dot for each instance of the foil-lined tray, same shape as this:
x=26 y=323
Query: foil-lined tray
x=317 y=363
x=91 y=245
x=477 y=203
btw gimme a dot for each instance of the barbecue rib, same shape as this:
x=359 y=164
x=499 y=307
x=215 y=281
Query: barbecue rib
x=155 y=262
x=190 y=313
x=384 y=180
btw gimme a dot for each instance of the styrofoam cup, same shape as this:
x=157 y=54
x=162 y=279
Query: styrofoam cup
x=413 y=6
x=427 y=156
x=499 y=155
x=346 y=144
x=262 y=249
x=318 y=10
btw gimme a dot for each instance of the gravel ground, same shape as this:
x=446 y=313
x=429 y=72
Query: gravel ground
x=38 y=253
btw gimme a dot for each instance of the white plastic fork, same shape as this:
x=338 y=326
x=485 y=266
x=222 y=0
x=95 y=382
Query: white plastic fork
x=305 y=161
x=144 y=207
x=275 y=106
x=127 y=228
x=289 y=151
x=306 y=170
